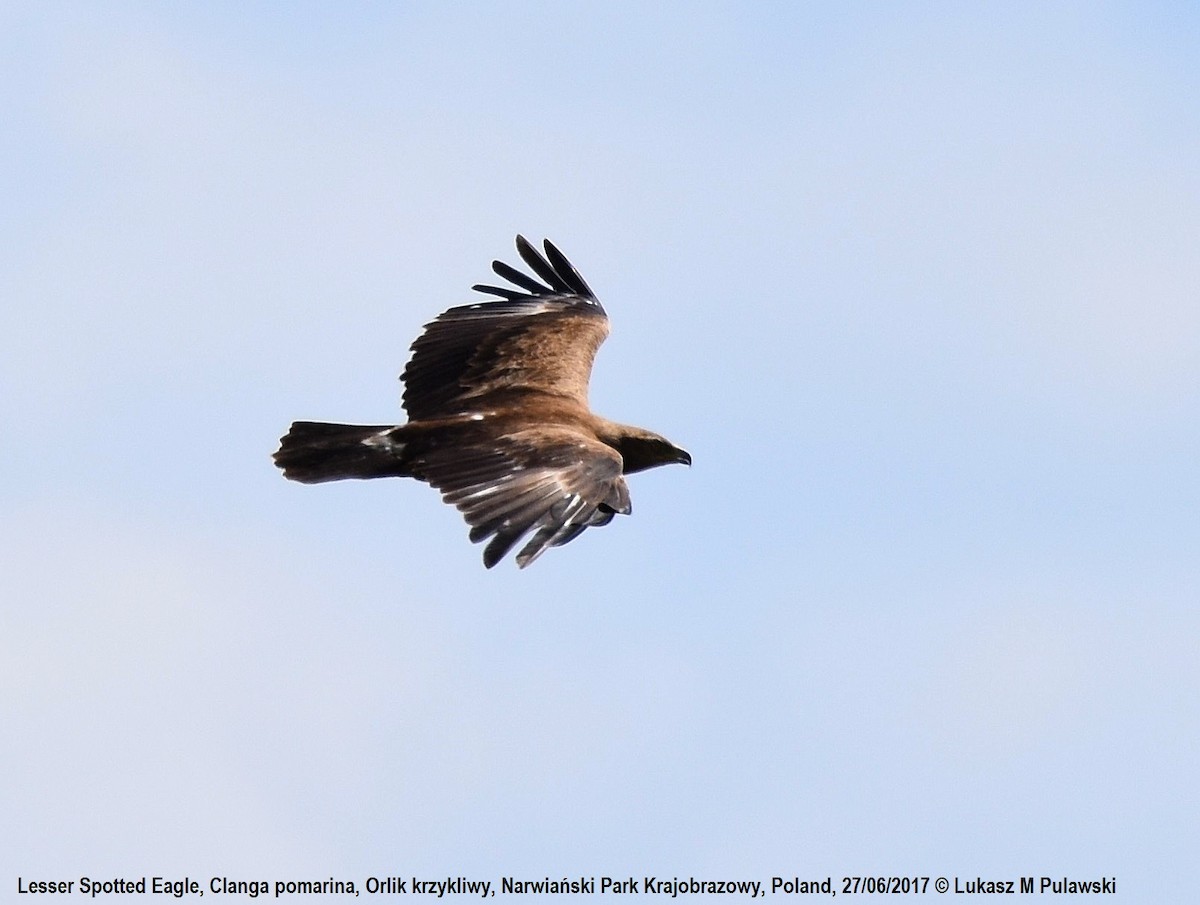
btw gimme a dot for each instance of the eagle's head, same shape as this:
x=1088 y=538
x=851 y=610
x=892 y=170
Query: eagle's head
x=642 y=449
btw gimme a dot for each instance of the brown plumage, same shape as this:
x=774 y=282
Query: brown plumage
x=496 y=395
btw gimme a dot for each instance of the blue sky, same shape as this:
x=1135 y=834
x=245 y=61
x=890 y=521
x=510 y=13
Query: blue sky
x=917 y=286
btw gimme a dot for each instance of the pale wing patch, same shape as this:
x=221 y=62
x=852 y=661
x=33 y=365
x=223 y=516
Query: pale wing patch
x=534 y=482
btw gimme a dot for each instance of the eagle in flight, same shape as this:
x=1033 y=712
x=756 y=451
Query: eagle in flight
x=496 y=395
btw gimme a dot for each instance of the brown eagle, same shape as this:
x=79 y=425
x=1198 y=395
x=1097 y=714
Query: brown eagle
x=496 y=394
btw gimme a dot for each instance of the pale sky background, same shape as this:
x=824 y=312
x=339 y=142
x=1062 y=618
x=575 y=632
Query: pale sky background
x=918 y=285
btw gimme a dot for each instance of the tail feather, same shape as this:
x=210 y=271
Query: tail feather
x=312 y=452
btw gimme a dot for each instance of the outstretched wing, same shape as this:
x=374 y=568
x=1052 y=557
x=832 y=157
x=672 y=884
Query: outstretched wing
x=551 y=481
x=541 y=337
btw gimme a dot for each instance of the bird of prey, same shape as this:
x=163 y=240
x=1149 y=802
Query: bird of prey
x=496 y=395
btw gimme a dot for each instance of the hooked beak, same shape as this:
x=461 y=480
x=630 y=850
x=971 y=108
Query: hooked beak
x=683 y=457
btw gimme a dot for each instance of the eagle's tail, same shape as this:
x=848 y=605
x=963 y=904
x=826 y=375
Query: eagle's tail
x=312 y=452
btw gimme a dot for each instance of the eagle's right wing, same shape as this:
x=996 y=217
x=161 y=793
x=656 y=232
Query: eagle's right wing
x=552 y=481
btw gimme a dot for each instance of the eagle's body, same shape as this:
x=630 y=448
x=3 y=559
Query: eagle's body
x=496 y=395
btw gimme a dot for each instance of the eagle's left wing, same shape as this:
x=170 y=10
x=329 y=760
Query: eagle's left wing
x=538 y=338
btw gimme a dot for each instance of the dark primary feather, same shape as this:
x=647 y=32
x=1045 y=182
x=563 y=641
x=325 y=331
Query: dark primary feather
x=514 y=276
x=560 y=276
x=567 y=272
x=541 y=266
